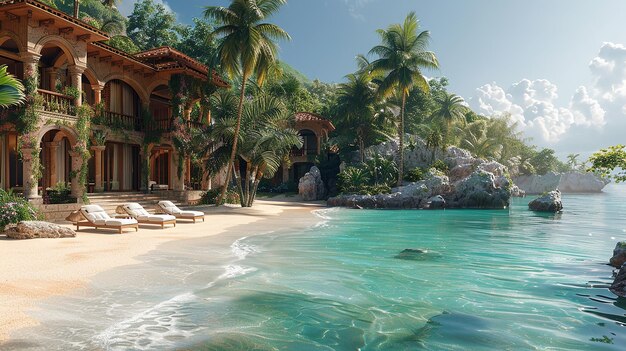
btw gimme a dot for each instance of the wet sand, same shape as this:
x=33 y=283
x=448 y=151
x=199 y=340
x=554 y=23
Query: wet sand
x=33 y=270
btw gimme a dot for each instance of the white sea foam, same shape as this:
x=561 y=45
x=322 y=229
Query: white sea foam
x=148 y=329
x=241 y=249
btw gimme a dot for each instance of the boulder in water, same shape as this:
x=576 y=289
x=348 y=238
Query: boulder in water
x=550 y=202
x=416 y=255
x=436 y=203
x=619 y=284
x=38 y=229
x=619 y=255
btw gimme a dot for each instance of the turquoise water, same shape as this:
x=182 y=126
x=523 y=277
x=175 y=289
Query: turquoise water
x=487 y=280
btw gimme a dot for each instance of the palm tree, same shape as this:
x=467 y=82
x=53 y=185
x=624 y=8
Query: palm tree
x=356 y=103
x=76 y=8
x=450 y=108
x=401 y=57
x=265 y=139
x=11 y=89
x=247 y=48
x=110 y=3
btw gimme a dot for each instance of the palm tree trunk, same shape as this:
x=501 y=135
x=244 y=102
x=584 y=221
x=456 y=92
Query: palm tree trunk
x=233 y=152
x=247 y=186
x=257 y=180
x=237 y=175
x=361 y=146
x=401 y=137
x=76 y=8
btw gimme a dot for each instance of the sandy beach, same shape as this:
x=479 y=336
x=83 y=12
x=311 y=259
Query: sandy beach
x=33 y=270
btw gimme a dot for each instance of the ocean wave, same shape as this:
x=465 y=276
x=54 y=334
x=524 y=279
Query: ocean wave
x=241 y=249
x=148 y=329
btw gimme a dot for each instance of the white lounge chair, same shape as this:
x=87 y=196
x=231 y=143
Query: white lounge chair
x=96 y=217
x=168 y=207
x=137 y=211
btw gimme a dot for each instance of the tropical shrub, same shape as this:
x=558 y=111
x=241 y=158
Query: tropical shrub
x=210 y=197
x=382 y=170
x=610 y=163
x=60 y=194
x=352 y=180
x=415 y=175
x=440 y=166
x=14 y=208
x=374 y=189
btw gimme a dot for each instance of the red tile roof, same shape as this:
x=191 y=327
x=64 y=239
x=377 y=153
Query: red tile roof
x=313 y=117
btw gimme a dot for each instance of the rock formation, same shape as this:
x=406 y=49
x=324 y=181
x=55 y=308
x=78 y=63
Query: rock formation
x=550 y=202
x=38 y=229
x=619 y=284
x=619 y=255
x=311 y=187
x=570 y=182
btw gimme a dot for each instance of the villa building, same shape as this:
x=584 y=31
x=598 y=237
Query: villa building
x=71 y=66
x=314 y=130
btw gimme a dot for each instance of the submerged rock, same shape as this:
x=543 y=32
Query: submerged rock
x=416 y=255
x=38 y=229
x=619 y=284
x=619 y=255
x=311 y=187
x=550 y=202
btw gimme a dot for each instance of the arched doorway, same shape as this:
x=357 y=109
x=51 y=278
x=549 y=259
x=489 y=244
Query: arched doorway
x=55 y=156
x=11 y=167
x=122 y=105
x=160 y=167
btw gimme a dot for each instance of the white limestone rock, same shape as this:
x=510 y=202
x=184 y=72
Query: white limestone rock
x=38 y=229
x=311 y=187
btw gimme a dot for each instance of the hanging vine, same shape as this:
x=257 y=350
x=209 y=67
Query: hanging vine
x=84 y=114
x=181 y=136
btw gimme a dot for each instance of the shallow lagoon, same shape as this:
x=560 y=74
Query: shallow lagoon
x=486 y=280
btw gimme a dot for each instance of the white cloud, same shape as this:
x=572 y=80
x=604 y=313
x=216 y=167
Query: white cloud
x=532 y=104
x=126 y=6
x=355 y=6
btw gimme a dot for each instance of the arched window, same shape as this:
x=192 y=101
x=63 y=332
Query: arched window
x=309 y=140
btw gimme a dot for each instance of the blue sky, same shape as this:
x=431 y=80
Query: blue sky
x=519 y=48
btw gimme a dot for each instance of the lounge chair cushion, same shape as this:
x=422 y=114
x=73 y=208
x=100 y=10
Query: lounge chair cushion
x=116 y=222
x=191 y=214
x=156 y=218
x=135 y=210
x=94 y=213
x=169 y=207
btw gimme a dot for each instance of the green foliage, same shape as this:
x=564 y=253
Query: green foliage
x=83 y=128
x=381 y=171
x=440 y=166
x=415 y=175
x=11 y=89
x=14 y=208
x=610 y=163
x=210 y=197
x=545 y=161
x=352 y=180
x=198 y=42
x=151 y=25
x=124 y=43
x=59 y=194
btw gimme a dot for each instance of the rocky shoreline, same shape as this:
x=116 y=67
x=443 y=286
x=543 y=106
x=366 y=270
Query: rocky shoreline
x=469 y=183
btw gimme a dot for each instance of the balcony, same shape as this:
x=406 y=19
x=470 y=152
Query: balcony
x=57 y=103
x=166 y=125
x=119 y=121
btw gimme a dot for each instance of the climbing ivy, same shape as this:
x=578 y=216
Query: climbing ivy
x=84 y=115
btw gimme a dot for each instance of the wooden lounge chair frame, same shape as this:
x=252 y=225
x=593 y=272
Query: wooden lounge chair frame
x=97 y=226
x=179 y=216
x=163 y=223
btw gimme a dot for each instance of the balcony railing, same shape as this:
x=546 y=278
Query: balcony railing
x=121 y=121
x=166 y=125
x=55 y=102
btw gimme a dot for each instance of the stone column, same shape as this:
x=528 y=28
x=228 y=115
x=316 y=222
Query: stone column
x=97 y=153
x=51 y=72
x=53 y=146
x=319 y=144
x=77 y=162
x=29 y=169
x=76 y=75
x=97 y=93
x=31 y=60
